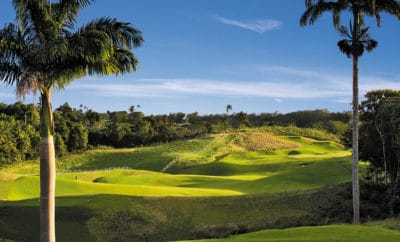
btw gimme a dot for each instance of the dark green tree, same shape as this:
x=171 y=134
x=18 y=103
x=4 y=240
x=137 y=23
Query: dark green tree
x=388 y=118
x=16 y=140
x=44 y=51
x=356 y=41
x=372 y=127
x=78 y=137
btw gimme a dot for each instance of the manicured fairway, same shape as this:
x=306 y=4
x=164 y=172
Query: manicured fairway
x=308 y=164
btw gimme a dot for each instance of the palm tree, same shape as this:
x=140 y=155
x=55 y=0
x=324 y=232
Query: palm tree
x=356 y=41
x=228 y=108
x=43 y=52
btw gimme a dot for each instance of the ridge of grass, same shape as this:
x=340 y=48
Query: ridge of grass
x=352 y=233
x=306 y=164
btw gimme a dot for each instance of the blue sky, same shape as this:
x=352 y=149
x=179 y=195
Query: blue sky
x=200 y=55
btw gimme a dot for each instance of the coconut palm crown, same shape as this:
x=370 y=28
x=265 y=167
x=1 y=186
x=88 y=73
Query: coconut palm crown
x=44 y=51
x=356 y=41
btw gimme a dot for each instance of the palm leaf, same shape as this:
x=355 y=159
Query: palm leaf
x=371 y=44
x=345 y=47
x=66 y=11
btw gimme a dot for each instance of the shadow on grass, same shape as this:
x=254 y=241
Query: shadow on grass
x=183 y=217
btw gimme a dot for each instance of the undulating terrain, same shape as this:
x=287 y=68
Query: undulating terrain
x=218 y=185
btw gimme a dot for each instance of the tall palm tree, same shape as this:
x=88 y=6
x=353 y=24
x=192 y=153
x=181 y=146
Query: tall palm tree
x=356 y=41
x=43 y=51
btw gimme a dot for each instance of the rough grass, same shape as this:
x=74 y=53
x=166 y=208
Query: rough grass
x=319 y=233
x=304 y=132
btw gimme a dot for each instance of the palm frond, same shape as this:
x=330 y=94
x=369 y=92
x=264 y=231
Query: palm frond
x=343 y=31
x=12 y=45
x=121 y=34
x=35 y=19
x=125 y=60
x=66 y=11
x=90 y=44
x=315 y=10
x=345 y=46
x=10 y=72
x=28 y=82
x=371 y=45
x=388 y=6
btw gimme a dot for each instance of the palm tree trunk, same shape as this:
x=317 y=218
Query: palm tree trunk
x=356 y=185
x=47 y=171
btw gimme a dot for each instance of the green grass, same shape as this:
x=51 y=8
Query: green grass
x=184 y=214
x=218 y=179
x=309 y=164
x=391 y=223
x=319 y=233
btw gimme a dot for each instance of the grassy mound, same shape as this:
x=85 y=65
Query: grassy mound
x=320 y=233
x=305 y=164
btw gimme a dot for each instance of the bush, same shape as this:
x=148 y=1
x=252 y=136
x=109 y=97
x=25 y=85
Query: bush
x=206 y=231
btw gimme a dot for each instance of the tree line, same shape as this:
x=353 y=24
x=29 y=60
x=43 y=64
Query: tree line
x=79 y=129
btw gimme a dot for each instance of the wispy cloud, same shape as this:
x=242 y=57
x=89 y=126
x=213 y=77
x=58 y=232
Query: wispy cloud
x=259 y=26
x=276 y=82
x=161 y=88
x=336 y=82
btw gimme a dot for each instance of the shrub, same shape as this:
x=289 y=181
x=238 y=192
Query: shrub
x=206 y=231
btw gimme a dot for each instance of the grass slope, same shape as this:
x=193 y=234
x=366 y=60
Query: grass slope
x=200 y=185
x=306 y=164
x=184 y=215
x=319 y=233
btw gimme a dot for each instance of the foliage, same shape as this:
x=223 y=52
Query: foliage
x=18 y=142
x=379 y=144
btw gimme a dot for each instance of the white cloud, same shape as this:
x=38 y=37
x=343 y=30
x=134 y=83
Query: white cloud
x=175 y=87
x=276 y=82
x=343 y=100
x=338 y=83
x=259 y=26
